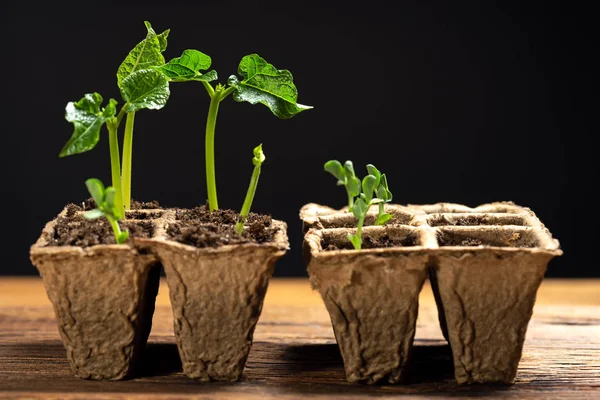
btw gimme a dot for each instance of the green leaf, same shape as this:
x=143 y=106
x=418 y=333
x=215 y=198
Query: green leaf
x=93 y=214
x=87 y=118
x=96 y=189
x=353 y=186
x=109 y=199
x=368 y=185
x=359 y=209
x=146 y=54
x=145 y=89
x=382 y=219
x=349 y=168
x=259 y=156
x=335 y=168
x=355 y=240
x=375 y=172
x=263 y=83
x=188 y=67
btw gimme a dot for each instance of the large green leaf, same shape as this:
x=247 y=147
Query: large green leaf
x=188 y=67
x=88 y=117
x=146 y=88
x=146 y=54
x=263 y=83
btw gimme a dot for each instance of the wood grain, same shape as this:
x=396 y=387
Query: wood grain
x=295 y=355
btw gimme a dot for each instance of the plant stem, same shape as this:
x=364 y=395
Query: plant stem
x=116 y=229
x=239 y=226
x=350 y=202
x=115 y=167
x=381 y=210
x=359 y=230
x=209 y=148
x=127 y=156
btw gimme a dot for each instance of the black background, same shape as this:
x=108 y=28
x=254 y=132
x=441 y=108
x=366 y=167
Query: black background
x=469 y=103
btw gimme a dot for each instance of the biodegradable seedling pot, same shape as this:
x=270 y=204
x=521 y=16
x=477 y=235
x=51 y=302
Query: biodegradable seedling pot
x=371 y=294
x=486 y=271
x=485 y=265
x=103 y=298
x=217 y=295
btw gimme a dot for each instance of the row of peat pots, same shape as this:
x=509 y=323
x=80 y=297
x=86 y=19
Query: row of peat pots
x=485 y=265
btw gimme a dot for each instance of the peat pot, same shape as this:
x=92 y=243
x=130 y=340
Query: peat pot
x=485 y=265
x=103 y=298
x=217 y=295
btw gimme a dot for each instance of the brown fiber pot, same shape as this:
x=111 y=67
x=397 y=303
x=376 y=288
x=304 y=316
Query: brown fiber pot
x=372 y=295
x=486 y=271
x=217 y=296
x=485 y=265
x=103 y=298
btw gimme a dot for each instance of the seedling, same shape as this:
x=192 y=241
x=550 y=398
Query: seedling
x=374 y=191
x=141 y=87
x=261 y=83
x=106 y=206
x=257 y=160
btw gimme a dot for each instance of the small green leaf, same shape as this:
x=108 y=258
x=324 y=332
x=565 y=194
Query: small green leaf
x=87 y=118
x=109 y=199
x=349 y=168
x=263 y=83
x=355 y=240
x=368 y=186
x=259 y=156
x=353 y=186
x=145 y=89
x=382 y=219
x=93 y=214
x=375 y=172
x=96 y=189
x=335 y=168
x=188 y=67
x=359 y=209
x=382 y=193
x=146 y=54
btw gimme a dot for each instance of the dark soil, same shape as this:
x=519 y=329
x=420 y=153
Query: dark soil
x=143 y=215
x=475 y=220
x=90 y=204
x=74 y=230
x=201 y=228
x=382 y=242
x=447 y=240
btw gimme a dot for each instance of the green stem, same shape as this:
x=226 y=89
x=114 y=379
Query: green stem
x=381 y=210
x=239 y=226
x=119 y=237
x=115 y=167
x=350 y=202
x=359 y=230
x=209 y=148
x=127 y=156
x=227 y=92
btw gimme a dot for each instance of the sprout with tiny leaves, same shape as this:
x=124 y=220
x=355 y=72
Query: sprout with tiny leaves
x=141 y=87
x=257 y=160
x=362 y=195
x=261 y=83
x=106 y=206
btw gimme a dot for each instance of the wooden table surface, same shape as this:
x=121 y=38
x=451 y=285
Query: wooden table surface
x=295 y=355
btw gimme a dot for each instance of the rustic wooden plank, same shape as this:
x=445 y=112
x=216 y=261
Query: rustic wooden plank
x=295 y=354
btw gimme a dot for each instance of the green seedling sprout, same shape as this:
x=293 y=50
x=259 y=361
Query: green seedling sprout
x=346 y=177
x=374 y=191
x=141 y=86
x=257 y=160
x=261 y=83
x=106 y=206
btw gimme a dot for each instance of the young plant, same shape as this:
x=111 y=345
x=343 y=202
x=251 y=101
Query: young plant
x=374 y=191
x=346 y=177
x=261 y=83
x=257 y=160
x=106 y=206
x=141 y=87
